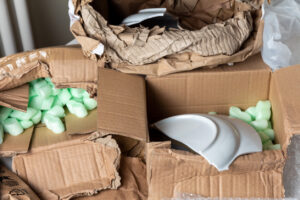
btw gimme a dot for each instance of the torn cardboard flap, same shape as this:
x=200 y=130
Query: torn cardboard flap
x=16 y=98
x=158 y=54
x=13 y=145
x=172 y=172
x=13 y=188
x=72 y=169
x=122 y=106
x=67 y=67
x=133 y=180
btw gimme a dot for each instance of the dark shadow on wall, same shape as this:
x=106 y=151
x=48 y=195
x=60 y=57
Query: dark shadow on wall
x=50 y=22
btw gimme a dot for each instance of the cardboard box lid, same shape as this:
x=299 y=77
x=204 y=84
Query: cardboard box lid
x=287 y=82
x=133 y=180
x=12 y=187
x=122 y=105
x=72 y=168
x=16 y=98
x=171 y=173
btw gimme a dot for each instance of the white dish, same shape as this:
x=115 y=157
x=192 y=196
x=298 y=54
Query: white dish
x=217 y=138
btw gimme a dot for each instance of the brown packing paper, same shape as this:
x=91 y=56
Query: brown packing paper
x=65 y=65
x=138 y=51
x=124 y=53
x=16 y=98
x=133 y=180
x=71 y=168
x=13 y=188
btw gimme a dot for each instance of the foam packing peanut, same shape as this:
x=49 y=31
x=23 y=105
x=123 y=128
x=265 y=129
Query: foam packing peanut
x=56 y=111
x=252 y=112
x=54 y=123
x=263 y=113
x=77 y=92
x=12 y=126
x=90 y=103
x=24 y=115
x=36 y=102
x=64 y=96
x=77 y=109
x=235 y=112
x=26 y=124
x=37 y=117
x=4 y=113
x=269 y=132
x=260 y=125
x=263 y=105
x=47 y=103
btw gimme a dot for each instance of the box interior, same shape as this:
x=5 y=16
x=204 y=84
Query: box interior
x=215 y=90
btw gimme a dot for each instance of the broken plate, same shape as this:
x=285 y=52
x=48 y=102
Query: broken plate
x=219 y=139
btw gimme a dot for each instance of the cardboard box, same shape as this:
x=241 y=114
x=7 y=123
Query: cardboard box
x=12 y=187
x=127 y=104
x=236 y=35
x=171 y=172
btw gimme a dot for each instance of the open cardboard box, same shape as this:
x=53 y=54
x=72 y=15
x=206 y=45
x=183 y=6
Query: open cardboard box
x=66 y=165
x=124 y=99
x=127 y=104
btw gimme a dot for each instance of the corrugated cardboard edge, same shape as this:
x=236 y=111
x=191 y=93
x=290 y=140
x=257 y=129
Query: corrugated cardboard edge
x=19 y=168
x=260 y=177
x=13 y=188
x=177 y=62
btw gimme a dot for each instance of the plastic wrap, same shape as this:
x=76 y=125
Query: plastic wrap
x=281 y=34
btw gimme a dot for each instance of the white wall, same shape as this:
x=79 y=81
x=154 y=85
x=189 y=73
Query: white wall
x=49 y=22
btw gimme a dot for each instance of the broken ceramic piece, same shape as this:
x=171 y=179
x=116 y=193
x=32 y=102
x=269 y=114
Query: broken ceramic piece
x=219 y=139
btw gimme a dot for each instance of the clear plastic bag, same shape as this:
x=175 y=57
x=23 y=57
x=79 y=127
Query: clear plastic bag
x=281 y=37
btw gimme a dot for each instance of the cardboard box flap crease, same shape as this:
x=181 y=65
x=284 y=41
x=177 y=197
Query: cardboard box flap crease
x=158 y=51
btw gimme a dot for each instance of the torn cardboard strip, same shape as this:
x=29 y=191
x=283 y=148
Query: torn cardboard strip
x=71 y=169
x=16 y=98
x=133 y=180
x=13 y=188
x=156 y=51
